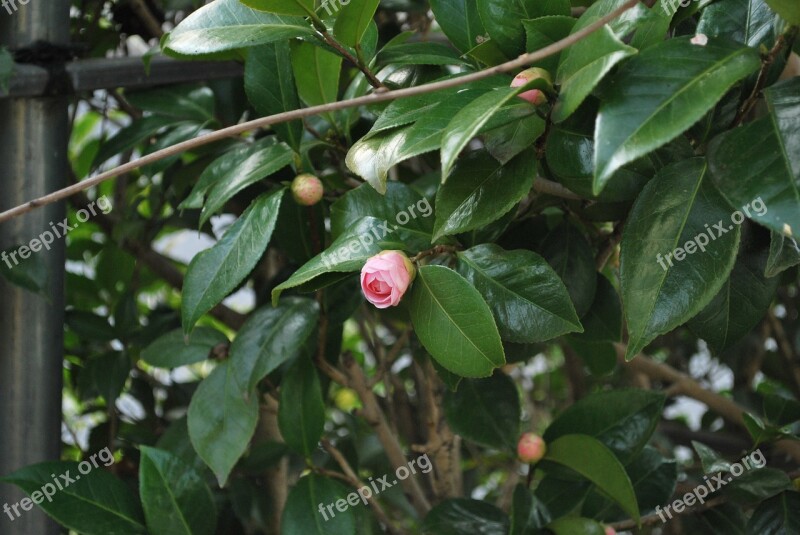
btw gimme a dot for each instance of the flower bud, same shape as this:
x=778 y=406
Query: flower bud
x=531 y=448
x=346 y=399
x=610 y=531
x=307 y=189
x=385 y=278
x=534 y=96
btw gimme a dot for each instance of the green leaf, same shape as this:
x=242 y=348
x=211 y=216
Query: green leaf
x=481 y=190
x=316 y=72
x=661 y=93
x=584 y=65
x=130 y=136
x=528 y=513
x=222 y=418
x=710 y=459
x=788 y=9
x=179 y=102
x=32 y=273
x=454 y=323
x=594 y=461
x=503 y=20
x=761 y=160
x=420 y=54
x=251 y=170
x=740 y=304
x=96 y=503
x=506 y=142
x=302 y=513
x=365 y=238
x=750 y=22
x=176 y=499
x=485 y=411
x=528 y=300
x=214 y=273
x=226 y=25
x=545 y=31
x=353 y=20
x=175 y=349
x=757 y=484
x=780 y=410
x=301 y=413
x=571 y=256
x=300 y=8
x=779 y=515
x=459 y=516
x=784 y=253
x=272 y=336
x=470 y=120
x=460 y=22
x=603 y=322
x=270 y=86
x=576 y=526
x=623 y=420
x=662 y=289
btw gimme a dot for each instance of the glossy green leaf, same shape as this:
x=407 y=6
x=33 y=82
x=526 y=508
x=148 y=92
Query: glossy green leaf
x=528 y=300
x=251 y=170
x=593 y=460
x=571 y=256
x=301 y=8
x=666 y=276
x=316 y=72
x=174 y=349
x=757 y=484
x=584 y=65
x=788 y=9
x=461 y=515
x=784 y=253
x=780 y=410
x=506 y=142
x=302 y=513
x=460 y=22
x=96 y=503
x=545 y=31
x=421 y=54
x=761 y=160
x=176 y=499
x=660 y=93
x=353 y=19
x=365 y=238
x=454 y=323
x=576 y=526
x=779 y=515
x=528 y=513
x=227 y=25
x=740 y=304
x=130 y=136
x=301 y=413
x=485 y=411
x=603 y=322
x=751 y=22
x=503 y=20
x=623 y=420
x=222 y=418
x=179 y=102
x=480 y=191
x=273 y=335
x=270 y=86
x=214 y=273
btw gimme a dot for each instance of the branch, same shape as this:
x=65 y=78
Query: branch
x=374 y=98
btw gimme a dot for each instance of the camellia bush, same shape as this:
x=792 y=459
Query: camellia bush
x=478 y=267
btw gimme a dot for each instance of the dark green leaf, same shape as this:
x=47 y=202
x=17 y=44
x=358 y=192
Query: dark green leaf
x=178 y=102
x=301 y=414
x=571 y=256
x=353 y=20
x=454 y=323
x=661 y=93
x=176 y=499
x=528 y=514
x=460 y=22
x=316 y=72
x=214 y=273
x=545 y=31
x=485 y=411
x=528 y=300
x=751 y=22
x=757 y=484
x=784 y=253
x=663 y=288
x=175 y=349
x=299 y=8
x=503 y=20
x=777 y=516
x=576 y=526
x=460 y=516
x=130 y=136
x=303 y=515
x=420 y=54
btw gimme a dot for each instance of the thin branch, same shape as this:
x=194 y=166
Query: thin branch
x=542 y=185
x=374 y=98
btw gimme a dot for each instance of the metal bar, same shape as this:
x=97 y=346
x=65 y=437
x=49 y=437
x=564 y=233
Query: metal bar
x=34 y=135
x=101 y=73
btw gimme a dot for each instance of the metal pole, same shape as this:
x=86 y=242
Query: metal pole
x=33 y=160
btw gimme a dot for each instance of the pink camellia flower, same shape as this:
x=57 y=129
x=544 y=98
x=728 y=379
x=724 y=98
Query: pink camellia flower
x=531 y=448
x=534 y=96
x=386 y=277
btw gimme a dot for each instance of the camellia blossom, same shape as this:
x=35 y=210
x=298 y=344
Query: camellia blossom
x=386 y=277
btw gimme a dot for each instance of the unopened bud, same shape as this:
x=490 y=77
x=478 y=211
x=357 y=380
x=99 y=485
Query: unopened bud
x=307 y=189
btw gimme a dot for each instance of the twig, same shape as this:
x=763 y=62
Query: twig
x=374 y=98
x=542 y=185
x=434 y=251
x=611 y=246
x=147 y=17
